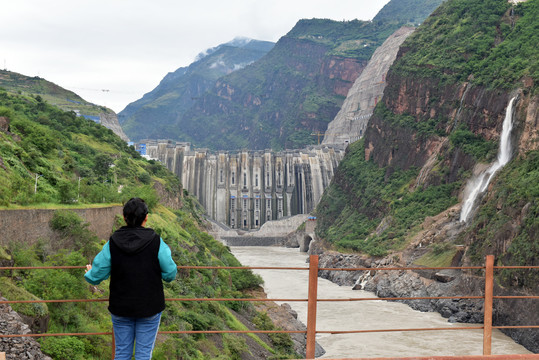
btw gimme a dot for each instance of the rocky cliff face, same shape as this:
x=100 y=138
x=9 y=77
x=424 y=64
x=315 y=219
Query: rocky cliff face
x=351 y=120
x=110 y=121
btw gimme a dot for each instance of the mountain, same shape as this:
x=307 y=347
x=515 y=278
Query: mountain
x=294 y=90
x=467 y=72
x=155 y=114
x=60 y=97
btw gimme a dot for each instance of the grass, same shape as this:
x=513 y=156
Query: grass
x=437 y=259
x=234 y=324
x=53 y=206
x=94 y=144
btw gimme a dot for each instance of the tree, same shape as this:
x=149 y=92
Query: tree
x=102 y=165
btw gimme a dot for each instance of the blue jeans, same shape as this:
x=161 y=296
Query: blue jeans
x=128 y=330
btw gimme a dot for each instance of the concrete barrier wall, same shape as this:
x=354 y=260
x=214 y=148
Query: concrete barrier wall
x=30 y=225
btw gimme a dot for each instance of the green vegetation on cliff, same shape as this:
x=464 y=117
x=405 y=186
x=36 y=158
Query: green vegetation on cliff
x=50 y=92
x=412 y=11
x=364 y=196
x=488 y=42
x=353 y=39
x=517 y=188
x=52 y=156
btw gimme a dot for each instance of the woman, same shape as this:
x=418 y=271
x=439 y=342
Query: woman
x=136 y=259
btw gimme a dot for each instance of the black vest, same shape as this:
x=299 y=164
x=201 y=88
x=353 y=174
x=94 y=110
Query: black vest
x=136 y=288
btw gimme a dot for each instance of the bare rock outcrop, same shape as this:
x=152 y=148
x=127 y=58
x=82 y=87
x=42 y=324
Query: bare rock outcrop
x=350 y=122
x=110 y=121
x=18 y=348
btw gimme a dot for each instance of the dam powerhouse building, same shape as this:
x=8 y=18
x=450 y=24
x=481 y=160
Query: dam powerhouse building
x=244 y=189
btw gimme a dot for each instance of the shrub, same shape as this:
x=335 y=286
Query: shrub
x=64 y=348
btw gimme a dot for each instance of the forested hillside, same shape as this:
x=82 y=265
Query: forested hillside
x=154 y=115
x=54 y=159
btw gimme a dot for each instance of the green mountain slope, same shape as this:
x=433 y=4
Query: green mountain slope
x=50 y=92
x=53 y=158
x=60 y=97
x=154 y=115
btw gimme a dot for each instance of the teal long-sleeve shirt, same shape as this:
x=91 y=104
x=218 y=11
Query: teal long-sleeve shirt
x=101 y=265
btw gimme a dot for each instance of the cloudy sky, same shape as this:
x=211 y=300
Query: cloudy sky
x=126 y=47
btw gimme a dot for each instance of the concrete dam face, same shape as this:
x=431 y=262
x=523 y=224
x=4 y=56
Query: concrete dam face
x=245 y=189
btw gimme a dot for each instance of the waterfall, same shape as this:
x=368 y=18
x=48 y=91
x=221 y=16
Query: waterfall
x=479 y=184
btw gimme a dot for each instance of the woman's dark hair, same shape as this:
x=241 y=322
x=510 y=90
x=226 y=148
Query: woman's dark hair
x=135 y=211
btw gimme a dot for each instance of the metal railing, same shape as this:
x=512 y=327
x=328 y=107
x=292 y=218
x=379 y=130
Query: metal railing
x=312 y=301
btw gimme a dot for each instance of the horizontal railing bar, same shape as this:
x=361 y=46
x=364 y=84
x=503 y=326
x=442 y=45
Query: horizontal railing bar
x=336 y=332
x=289 y=268
x=234 y=332
x=178 y=299
x=279 y=300
x=404 y=268
x=405 y=298
x=40 y=267
x=517 y=327
x=243 y=267
x=50 y=301
x=166 y=332
x=515 y=297
x=179 y=267
x=51 y=334
x=454 y=357
x=233 y=299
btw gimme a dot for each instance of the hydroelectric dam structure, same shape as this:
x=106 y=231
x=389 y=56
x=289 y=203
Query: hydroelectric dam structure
x=244 y=189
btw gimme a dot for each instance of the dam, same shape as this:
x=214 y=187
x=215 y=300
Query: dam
x=244 y=189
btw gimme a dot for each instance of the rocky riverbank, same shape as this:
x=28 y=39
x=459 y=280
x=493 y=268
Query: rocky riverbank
x=22 y=348
x=431 y=283
x=285 y=318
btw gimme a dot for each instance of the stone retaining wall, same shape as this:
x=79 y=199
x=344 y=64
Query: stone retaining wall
x=30 y=225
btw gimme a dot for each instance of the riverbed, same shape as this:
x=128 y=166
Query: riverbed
x=359 y=315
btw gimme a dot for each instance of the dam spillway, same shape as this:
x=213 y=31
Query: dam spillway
x=244 y=189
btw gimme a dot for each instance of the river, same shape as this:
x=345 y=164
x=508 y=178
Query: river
x=359 y=315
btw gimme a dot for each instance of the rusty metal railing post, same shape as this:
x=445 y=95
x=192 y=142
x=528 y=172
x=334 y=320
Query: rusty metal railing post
x=311 y=307
x=487 y=307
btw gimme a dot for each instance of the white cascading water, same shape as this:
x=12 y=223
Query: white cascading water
x=479 y=184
